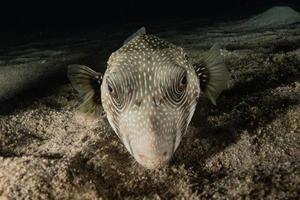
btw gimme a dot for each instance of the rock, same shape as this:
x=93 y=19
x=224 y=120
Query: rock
x=274 y=17
x=30 y=70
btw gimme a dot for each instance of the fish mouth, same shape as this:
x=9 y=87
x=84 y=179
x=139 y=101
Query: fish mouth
x=152 y=163
x=151 y=160
x=151 y=144
x=150 y=153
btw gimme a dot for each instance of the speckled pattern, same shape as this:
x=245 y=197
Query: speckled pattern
x=150 y=108
x=245 y=147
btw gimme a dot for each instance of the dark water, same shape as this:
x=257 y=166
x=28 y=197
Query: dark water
x=28 y=22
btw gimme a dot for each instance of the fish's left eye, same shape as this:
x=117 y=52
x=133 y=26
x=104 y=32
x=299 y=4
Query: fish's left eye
x=185 y=56
x=183 y=81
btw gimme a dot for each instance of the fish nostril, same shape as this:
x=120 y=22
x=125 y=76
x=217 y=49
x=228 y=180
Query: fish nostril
x=157 y=101
x=165 y=153
x=138 y=102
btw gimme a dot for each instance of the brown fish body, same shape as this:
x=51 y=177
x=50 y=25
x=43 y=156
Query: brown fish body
x=149 y=93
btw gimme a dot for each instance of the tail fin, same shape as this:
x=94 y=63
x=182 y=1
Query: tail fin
x=213 y=74
x=87 y=83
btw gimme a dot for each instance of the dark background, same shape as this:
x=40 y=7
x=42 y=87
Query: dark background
x=20 y=20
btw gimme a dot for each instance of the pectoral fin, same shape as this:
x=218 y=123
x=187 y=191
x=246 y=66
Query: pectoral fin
x=87 y=82
x=213 y=74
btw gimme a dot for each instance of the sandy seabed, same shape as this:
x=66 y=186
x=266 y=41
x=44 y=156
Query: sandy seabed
x=248 y=146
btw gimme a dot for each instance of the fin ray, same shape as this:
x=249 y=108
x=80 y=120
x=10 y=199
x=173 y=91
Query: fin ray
x=87 y=83
x=213 y=74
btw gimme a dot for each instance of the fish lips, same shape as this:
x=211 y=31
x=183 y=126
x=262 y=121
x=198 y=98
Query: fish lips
x=149 y=141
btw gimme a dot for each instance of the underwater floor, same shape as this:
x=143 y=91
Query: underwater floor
x=246 y=146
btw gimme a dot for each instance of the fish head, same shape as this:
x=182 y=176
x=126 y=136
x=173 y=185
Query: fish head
x=149 y=94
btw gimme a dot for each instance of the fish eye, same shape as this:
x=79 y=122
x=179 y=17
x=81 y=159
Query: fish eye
x=183 y=81
x=111 y=89
x=174 y=89
x=185 y=56
x=115 y=93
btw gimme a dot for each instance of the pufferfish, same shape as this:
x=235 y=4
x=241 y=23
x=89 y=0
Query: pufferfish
x=149 y=93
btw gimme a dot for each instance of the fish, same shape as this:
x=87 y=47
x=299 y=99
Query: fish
x=149 y=94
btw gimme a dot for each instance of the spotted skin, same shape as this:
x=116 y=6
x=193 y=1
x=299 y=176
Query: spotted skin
x=149 y=94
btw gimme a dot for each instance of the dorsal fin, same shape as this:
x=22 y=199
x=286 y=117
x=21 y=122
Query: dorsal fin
x=87 y=82
x=213 y=74
x=141 y=31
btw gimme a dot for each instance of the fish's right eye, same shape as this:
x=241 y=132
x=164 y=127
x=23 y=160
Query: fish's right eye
x=111 y=89
x=115 y=92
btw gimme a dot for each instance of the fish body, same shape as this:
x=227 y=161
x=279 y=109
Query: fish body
x=149 y=93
